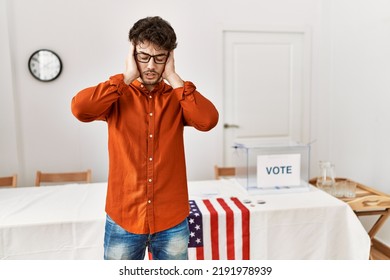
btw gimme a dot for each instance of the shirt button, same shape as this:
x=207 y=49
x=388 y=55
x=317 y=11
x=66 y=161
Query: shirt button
x=150 y=135
x=150 y=96
x=150 y=180
x=150 y=159
x=150 y=114
x=149 y=201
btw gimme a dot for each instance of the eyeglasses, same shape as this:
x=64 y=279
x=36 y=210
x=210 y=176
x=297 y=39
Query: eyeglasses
x=145 y=58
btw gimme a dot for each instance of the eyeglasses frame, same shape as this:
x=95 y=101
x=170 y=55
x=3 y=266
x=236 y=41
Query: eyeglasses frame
x=151 y=56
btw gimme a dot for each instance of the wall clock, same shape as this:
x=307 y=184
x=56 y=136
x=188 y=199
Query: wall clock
x=45 y=65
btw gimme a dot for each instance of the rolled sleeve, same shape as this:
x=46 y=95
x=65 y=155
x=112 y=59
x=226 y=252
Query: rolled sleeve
x=198 y=111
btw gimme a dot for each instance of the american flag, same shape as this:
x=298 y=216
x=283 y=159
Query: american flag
x=219 y=229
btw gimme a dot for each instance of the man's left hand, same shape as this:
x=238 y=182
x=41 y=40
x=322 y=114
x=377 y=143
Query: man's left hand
x=170 y=73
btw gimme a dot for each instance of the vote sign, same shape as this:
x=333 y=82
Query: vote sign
x=278 y=170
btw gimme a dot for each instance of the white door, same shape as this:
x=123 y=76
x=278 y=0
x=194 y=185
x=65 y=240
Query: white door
x=266 y=86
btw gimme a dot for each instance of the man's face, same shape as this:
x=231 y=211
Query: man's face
x=150 y=68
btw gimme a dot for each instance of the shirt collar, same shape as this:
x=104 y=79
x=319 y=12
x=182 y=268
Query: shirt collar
x=158 y=88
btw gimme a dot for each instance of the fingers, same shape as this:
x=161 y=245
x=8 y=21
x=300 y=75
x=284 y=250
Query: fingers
x=170 y=65
x=171 y=57
x=131 y=72
x=130 y=55
x=131 y=48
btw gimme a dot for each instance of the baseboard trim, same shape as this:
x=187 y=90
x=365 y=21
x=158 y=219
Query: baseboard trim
x=383 y=248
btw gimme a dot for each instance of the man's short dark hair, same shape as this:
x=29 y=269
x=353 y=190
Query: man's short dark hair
x=155 y=30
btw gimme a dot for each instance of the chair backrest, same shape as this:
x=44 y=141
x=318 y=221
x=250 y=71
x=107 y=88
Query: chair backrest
x=223 y=172
x=10 y=181
x=81 y=177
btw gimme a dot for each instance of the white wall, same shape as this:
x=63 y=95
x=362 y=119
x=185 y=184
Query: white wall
x=9 y=156
x=349 y=84
x=91 y=38
x=360 y=94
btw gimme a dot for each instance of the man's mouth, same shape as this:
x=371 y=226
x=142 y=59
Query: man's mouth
x=150 y=75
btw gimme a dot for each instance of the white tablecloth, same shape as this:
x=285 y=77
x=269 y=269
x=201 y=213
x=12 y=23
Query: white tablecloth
x=67 y=222
x=56 y=222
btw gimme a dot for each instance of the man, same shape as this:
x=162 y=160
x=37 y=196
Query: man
x=147 y=197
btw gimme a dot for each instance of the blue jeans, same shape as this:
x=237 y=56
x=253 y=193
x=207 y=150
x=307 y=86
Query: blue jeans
x=170 y=244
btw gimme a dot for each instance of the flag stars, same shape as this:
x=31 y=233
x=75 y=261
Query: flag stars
x=195 y=226
x=197 y=240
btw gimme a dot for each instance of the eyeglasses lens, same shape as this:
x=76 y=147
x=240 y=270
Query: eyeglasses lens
x=145 y=58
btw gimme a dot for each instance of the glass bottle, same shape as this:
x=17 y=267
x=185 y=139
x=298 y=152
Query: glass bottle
x=326 y=181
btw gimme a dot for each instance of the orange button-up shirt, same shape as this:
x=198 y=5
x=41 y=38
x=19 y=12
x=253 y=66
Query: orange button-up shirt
x=147 y=183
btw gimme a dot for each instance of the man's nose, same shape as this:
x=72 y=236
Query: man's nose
x=151 y=63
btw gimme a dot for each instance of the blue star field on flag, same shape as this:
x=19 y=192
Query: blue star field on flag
x=195 y=226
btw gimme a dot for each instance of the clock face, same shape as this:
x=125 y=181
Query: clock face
x=45 y=65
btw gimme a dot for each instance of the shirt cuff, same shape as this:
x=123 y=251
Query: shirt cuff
x=118 y=84
x=186 y=92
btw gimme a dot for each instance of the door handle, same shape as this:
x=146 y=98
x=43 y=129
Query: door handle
x=226 y=125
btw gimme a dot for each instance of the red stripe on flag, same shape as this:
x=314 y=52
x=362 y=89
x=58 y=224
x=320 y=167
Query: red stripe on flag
x=229 y=229
x=245 y=228
x=213 y=230
x=199 y=253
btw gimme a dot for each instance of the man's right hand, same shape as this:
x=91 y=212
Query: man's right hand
x=131 y=72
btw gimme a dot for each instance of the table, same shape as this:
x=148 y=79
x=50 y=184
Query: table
x=67 y=222
x=368 y=202
x=56 y=222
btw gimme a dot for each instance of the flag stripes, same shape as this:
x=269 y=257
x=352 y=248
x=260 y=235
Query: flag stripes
x=229 y=229
x=224 y=230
